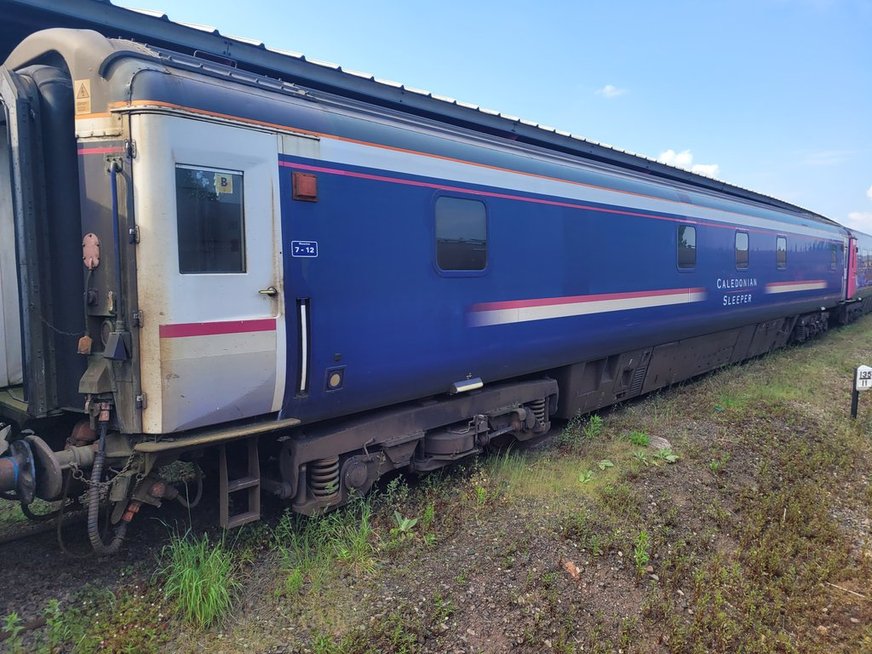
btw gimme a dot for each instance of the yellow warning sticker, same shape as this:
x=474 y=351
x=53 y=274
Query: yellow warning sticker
x=82 y=91
x=223 y=183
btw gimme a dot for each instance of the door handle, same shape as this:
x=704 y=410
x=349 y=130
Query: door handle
x=270 y=290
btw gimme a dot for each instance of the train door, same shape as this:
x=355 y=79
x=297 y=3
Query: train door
x=852 y=268
x=209 y=272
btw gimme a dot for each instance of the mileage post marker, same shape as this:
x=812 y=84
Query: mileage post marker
x=862 y=382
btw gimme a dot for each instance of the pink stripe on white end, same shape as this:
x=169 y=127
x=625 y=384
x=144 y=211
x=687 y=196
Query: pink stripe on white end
x=502 y=313
x=793 y=287
x=187 y=330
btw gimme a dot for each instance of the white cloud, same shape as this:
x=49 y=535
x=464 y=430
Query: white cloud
x=684 y=159
x=681 y=159
x=869 y=193
x=610 y=91
x=861 y=220
x=709 y=170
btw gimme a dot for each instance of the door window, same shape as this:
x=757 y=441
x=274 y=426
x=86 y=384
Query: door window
x=210 y=221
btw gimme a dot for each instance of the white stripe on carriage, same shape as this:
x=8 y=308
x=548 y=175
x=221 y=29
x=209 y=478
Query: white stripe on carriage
x=548 y=312
x=792 y=287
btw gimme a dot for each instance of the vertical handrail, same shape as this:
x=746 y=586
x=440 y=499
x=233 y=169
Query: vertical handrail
x=114 y=169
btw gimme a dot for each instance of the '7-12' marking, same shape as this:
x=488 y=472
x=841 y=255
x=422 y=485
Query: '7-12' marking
x=304 y=248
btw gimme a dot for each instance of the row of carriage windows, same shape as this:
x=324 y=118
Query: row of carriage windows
x=212 y=236
x=687 y=249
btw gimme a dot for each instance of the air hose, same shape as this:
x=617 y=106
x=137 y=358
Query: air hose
x=183 y=498
x=94 y=502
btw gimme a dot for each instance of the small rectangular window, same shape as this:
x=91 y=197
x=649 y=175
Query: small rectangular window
x=210 y=221
x=833 y=256
x=686 y=246
x=781 y=252
x=461 y=234
x=741 y=249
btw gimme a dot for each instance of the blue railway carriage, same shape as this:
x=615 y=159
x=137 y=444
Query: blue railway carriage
x=201 y=263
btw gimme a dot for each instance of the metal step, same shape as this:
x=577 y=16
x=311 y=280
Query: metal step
x=250 y=484
x=240 y=519
x=242 y=483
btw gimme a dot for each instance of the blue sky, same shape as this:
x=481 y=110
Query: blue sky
x=773 y=95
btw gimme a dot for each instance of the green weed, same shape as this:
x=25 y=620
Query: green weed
x=666 y=454
x=13 y=626
x=428 y=516
x=403 y=526
x=199 y=577
x=593 y=428
x=642 y=550
x=480 y=495
x=548 y=578
x=570 y=436
x=579 y=430
x=639 y=438
x=717 y=465
x=396 y=492
x=57 y=631
x=442 y=609
x=294 y=582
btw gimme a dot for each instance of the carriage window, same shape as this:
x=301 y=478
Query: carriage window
x=833 y=255
x=741 y=249
x=686 y=246
x=210 y=221
x=461 y=234
x=781 y=252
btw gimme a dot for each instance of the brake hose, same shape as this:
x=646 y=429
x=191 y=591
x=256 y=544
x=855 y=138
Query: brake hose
x=94 y=502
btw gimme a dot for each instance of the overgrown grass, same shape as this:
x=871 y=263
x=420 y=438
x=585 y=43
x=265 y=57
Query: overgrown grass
x=579 y=430
x=401 y=631
x=785 y=426
x=199 y=577
x=96 y=619
x=310 y=548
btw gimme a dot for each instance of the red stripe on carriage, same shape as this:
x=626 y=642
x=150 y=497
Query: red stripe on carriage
x=215 y=328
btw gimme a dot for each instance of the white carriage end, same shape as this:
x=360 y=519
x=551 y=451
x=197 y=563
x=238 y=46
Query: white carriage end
x=218 y=351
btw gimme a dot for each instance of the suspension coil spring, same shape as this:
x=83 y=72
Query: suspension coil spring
x=538 y=409
x=324 y=477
